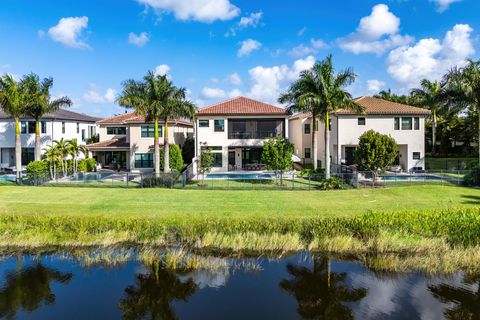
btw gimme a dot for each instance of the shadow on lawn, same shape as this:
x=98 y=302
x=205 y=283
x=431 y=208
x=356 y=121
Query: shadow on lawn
x=471 y=199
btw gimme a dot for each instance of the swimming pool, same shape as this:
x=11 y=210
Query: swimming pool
x=240 y=176
x=410 y=178
x=8 y=177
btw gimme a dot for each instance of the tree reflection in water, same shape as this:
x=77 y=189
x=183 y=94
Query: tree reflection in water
x=29 y=289
x=466 y=301
x=321 y=293
x=153 y=292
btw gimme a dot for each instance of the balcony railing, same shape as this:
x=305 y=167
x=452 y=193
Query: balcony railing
x=254 y=134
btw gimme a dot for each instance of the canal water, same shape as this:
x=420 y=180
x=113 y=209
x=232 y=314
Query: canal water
x=58 y=286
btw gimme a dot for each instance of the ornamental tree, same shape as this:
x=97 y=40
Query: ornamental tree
x=376 y=152
x=277 y=155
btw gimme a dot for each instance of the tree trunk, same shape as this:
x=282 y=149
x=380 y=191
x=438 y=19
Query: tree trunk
x=166 y=167
x=327 y=147
x=18 y=151
x=314 y=142
x=157 y=149
x=434 y=133
x=38 y=146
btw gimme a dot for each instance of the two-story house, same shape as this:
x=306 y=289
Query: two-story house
x=235 y=130
x=404 y=123
x=126 y=141
x=56 y=125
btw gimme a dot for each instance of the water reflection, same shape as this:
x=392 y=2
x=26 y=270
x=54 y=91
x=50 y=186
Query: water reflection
x=321 y=293
x=29 y=289
x=153 y=293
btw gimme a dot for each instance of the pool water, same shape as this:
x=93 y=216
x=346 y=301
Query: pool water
x=240 y=176
x=410 y=178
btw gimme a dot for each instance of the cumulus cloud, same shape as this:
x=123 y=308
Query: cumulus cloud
x=212 y=93
x=138 y=40
x=199 y=10
x=269 y=82
x=68 y=32
x=94 y=96
x=235 y=93
x=162 y=70
x=235 y=79
x=375 y=86
x=376 y=33
x=304 y=50
x=443 y=5
x=247 y=47
x=431 y=58
x=252 y=20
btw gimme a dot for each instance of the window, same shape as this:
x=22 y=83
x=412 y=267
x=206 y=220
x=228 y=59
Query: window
x=43 y=126
x=31 y=126
x=217 y=156
x=148 y=131
x=407 y=123
x=83 y=134
x=28 y=155
x=361 y=121
x=219 y=125
x=306 y=128
x=63 y=127
x=329 y=125
x=396 y=123
x=307 y=153
x=78 y=127
x=120 y=131
x=143 y=160
x=23 y=127
x=416 y=156
x=203 y=123
x=416 y=123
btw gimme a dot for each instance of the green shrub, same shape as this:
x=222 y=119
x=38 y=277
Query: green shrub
x=82 y=166
x=162 y=180
x=175 y=156
x=333 y=183
x=472 y=178
x=38 y=170
x=86 y=165
x=314 y=174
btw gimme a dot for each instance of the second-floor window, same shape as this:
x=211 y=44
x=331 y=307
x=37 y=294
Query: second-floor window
x=43 y=127
x=203 y=123
x=148 y=131
x=78 y=127
x=306 y=128
x=117 y=131
x=219 y=125
x=63 y=127
x=361 y=121
x=406 y=123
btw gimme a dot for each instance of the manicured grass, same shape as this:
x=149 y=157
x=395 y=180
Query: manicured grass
x=224 y=203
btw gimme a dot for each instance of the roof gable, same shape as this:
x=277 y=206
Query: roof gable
x=242 y=106
x=380 y=106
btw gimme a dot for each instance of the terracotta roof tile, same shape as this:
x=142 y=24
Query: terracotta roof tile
x=131 y=117
x=113 y=143
x=380 y=106
x=242 y=106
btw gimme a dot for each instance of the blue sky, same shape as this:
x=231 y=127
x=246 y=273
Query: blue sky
x=222 y=48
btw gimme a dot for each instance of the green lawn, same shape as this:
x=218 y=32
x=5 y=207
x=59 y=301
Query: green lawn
x=223 y=203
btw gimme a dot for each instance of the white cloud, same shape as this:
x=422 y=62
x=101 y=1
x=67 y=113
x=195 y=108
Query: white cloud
x=376 y=33
x=235 y=79
x=443 y=5
x=93 y=95
x=269 y=82
x=305 y=50
x=431 y=58
x=138 y=40
x=252 y=20
x=214 y=80
x=374 y=86
x=235 y=93
x=212 y=93
x=247 y=47
x=198 y=10
x=162 y=70
x=301 y=32
x=68 y=32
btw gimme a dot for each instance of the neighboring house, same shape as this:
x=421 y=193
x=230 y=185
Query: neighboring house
x=404 y=123
x=234 y=131
x=126 y=141
x=60 y=124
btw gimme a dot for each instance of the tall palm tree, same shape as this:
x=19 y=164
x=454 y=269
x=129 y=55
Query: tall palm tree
x=62 y=147
x=13 y=99
x=464 y=85
x=40 y=103
x=156 y=98
x=321 y=92
x=74 y=149
x=431 y=95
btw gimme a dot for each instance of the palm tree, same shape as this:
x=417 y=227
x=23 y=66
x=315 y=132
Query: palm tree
x=62 y=147
x=321 y=293
x=431 y=95
x=321 y=92
x=156 y=98
x=390 y=96
x=13 y=99
x=40 y=103
x=74 y=149
x=464 y=85
x=52 y=155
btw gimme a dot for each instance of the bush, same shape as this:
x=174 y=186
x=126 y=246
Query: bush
x=314 y=174
x=163 y=180
x=38 y=170
x=188 y=150
x=333 y=183
x=175 y=156
x=472 y=178
x=86 y=165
